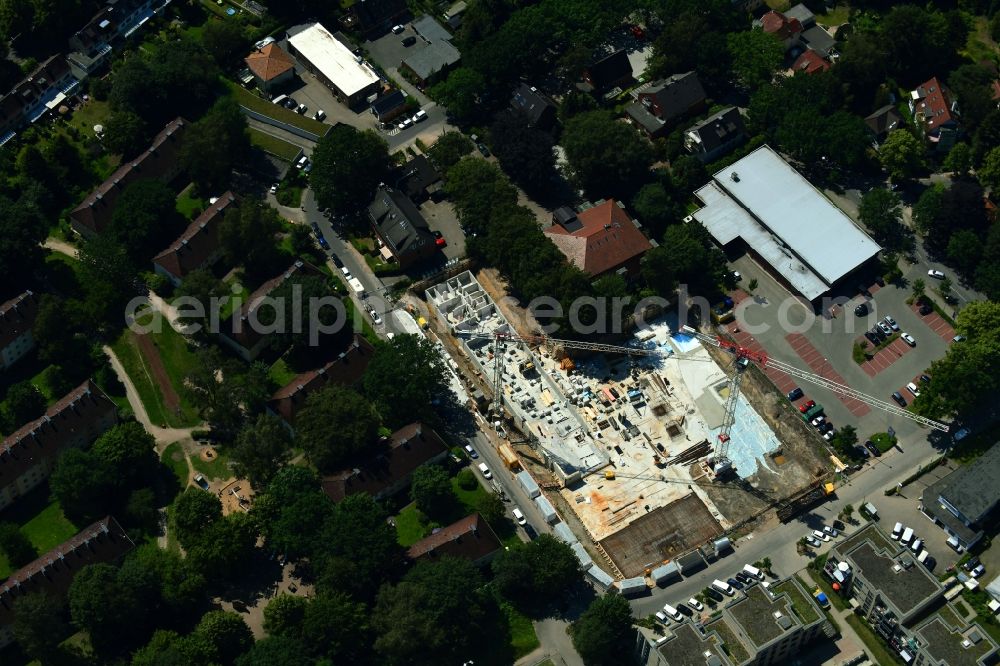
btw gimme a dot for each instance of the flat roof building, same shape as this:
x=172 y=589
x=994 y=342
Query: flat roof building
x=962 y=501
x=784 y=222
x=347 y=75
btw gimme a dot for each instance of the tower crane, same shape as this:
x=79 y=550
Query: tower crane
x=721 y=462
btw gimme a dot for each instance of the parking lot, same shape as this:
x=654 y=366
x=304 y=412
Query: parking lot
x=315 y=95
x=441 y=217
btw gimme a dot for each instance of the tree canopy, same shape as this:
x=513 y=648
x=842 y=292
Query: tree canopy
x=335 y=424
x=607 y=157
x=604 y=631
x=348 y=166
x=755 y=56
x=418 y=360
x=525 y=152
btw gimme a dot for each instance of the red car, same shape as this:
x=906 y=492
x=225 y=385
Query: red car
x=439 y=239
x=637 y=32
x=806 y=406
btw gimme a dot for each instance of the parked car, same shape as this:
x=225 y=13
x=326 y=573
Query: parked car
x=291 y=103
x=735 y=583
x=813 y=541
x=821 y=535
x=319 y=115
x=519 y=517
x=885 y=328
x=743 y=578
x=398 y=28
x=861 y=310
x=958 y=338
x=863 y=451
x=818 y=420
x=806 y=406
x=409 y=40
x=912 y=388
x=879 y=333
x=936 y=274
x=925 y=309
x=323 y=244
x=830 y=434
x=795 y=394
x=872 y=338
x=925 y=379
x=374 y=315
x=898 y=397
x=483 y=149
x=978 y=571
x=274 y=189
x=874 y=449
x=908 y=339
x=336 y=260
x=419 y=116
x=825 y=427
x=892 y=323
x=831 y=531
x=405 y=124
x=301 y=109
x=971 y=564
x=200 y=480
x=471 y=451
x=695 y=604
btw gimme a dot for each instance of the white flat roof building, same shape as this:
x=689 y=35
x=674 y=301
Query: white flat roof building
x=332 y=60
x=784 y=220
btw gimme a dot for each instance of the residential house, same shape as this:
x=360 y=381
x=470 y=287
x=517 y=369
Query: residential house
x=935 y=113
x=470 y=538
x=797 y=29
x=964 y=501
x=345 y=370
x=760 y=626
x=599 y=240
x=375 y=17
x=904 y=603
x=537 y=108
x=389 y=471
x=271 y=66
x=715 y=136
x=158 y=162
x=53 y=572
x=660 y=104
x=810 y=62
x=786 y=29
x=607 y=72
x=198 y=247
x=116 y=21
x=37 y=95
x=243 y=331
x=418 y=179
x=389 y=106
x=883 y=121
x=28 y=455
x=406 y=238
x=433 y=56
x=17 y=318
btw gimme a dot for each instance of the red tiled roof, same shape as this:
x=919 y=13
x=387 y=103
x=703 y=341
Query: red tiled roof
x=606 y=240
x=17 y=316
x=345 y=370
x=779 y=25
x=409 y=447
x=81 y=411
x=52 y=573
x=198 y=243
x=470 y=538
x=810 y=62
x=159 y=161
x=933 y=104
x=270 y=62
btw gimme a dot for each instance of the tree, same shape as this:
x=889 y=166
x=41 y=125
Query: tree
x=902 y=155
x=479 y=191
x=126 y=133
x=24 y=403
x=449 y=148
x=604 y=631
x=16 y=546
x=657 y=208
x=606 y=157
x=22 y=230
x=918 y=288
x=335 y=424
x=919 y=41
x=459 y=93
x=536 y=573
x=145 y=218
x=845 y=441
x=109 y=276
x=302 y=241
x=293 y=301
x=356 y=547
x=275 y=651
x=260 y=450
x=959 y=160
x=336 y=626
x=881 y=211
x=284 y=614
x=491 y=508
x=227 y=633
x=225 y=548
x=755 y=55
x=965 y=250
x=84 y=484
x=101 y=606
x=848 y=511
x=214 y=145
x=202 y=286
x=688 y=173
x=348 y=166
x=227 y=392
x=416 y=359
x=225 y=41
x=37 y=622
x=129 y=450
x=430 y=488
x=928 y=207
x=525 y=152
x=194 y=512
x=292 y=510
x=989 y=172
x=685 y=256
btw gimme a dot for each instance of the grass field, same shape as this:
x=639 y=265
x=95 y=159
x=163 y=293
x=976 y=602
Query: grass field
x=876 y=648
x=41 y=520
x=218 y=468
x=836 y=16
x=412 y=525
x=980 y=47
x=173 y=457
x=522 y=633
x=280 y=373
x=188 y=204
x=263 y=106
x=273 y=145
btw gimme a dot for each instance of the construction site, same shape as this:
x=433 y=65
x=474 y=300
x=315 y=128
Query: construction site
x=630 y=434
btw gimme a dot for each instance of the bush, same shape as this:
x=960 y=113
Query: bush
x=466 y=479
x=858 y=353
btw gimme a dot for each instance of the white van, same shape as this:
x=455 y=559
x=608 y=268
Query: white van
x=723 y=587
x=922 y=557
x=916 y=545
x=673 y=613
x=753 y=572
x=953 y=542
x=822 y=536
x=485 y=470
x=897 y=530
x=907 y=536
x=303 y=161
x=280 y=99
x=319 y=115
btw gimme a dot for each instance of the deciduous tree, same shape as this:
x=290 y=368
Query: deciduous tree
x=526 y=153
x=755 y=56
x=335 y=424
x=881 y=211
x=16 y=546
x=38 y=624
x=348 y=166
x=260 y=450
x=607 y=157
x=902 y=155
x=194 y=512
x=227 y=633
x=604 y=631
x=460 y=92
x=416 y=359
x=430 y=488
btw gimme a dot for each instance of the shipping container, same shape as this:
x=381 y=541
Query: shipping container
x=548 y=511
x=528 y=484
x=632 y=586
x=665 y=573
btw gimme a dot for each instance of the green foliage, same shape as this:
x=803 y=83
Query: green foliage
x=16 y=546
x=214 y=145
x=275 y=651
x=920 y=41
x=145 y=219
x=260 y=450
x=85 y=485
x=607 y=158
x=902 y=155
x=989 y=172
x=126 y=134
x=526 y=153
x=881 y=211
x=426 y=382
x=226 y=392
x=479 y=191
x=536 y=573
x=194 y=512
x=224 y=550
x=128 y=449
x=103 y=607
x=336 y=627
x=225 y=41
x=335 y=424
x=430 y=488
x=226 y=633
x=292 y=511
x=449 y=148
x=247 y=235
x=694 y=38
x=686 y=256
x=657 y=207
x=348 y=166
x=460 y=92
x=844 y=441
x=755 y=56
x=284 y=614
x=37 y=621
x=959 y=160
x=22 y=229
x=604 y=632
x=23 y=403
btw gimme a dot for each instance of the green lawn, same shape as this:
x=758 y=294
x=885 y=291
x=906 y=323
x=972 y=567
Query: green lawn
x=93 y=112
x=41 y=520
x=522 y=633
x=280 y=373
x=876 y=648
x=800 y=604
x=173 y=457
x=979 y=46
x=883 y=441
x=63 y=273
x=218 y=468
x=260 y=105
x=188 y=204
x=412 y=525
x=273 y=145
x=836 y=16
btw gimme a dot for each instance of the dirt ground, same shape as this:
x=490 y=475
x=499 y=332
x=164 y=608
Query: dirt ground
x=148 y=349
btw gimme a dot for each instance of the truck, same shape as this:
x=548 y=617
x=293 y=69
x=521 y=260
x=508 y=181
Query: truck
x=813 y=412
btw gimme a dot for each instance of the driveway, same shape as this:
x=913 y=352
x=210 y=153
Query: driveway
x=441 y=217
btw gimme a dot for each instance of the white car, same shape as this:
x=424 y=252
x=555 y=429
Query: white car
x=346 y=271
x=419 y=116
x=829 y=435
x=396 y=29
x=374 y=315
x=274 y=189
x=695 y=604
x=936 y=274
x=819 y=420
x=519 y=517
x=912 y=388
x=908 y=339
x=831 y=531
x=892 y=323
x=407 y=122
x=821 y=536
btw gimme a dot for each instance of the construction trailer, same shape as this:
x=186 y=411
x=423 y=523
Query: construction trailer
x=528 y=484
x=666 y=573
x=631 y=587
x=548 y=511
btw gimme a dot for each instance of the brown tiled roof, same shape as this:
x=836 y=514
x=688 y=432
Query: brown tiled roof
x=605 y=240
x=470 y=538
x=810 y=62
x=780 y=25
x=160 y=159
x=933 y=106
x=17 y=316
x=269 y=62
x=198 y=243
x=409 y=447
x=80 y=411
x=345 y=370
x=52 y=573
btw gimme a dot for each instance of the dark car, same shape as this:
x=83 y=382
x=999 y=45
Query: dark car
x=291 y=103
x=743 y=578
x=898 y=397
x=323 y=244
x=714 y=593
x=825 y=427
x=683 y=608
x=874 y=449
x=861 y=310
x=872 y=338
x=735 y=583
x=483 y=149
x=336 y=260
x=971 y=564
x=409 y=40
x=878 y=333
x=926 y=309
x=926 y=379
x=795 y=394
x=862 y=451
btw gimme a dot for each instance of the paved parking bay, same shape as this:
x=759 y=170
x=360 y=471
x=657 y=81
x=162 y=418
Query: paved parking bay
x=885 y=357
x=936 y=323
x=821 y=366
x=441 y=217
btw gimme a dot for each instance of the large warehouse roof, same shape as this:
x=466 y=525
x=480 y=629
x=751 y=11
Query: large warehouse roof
x=788 y=222
x=334 y=60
